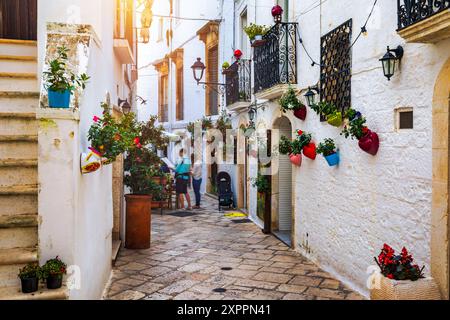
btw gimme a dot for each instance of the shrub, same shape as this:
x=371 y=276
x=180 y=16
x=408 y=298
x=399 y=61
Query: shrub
x=54 y=267
x=31 y=270
x=327 y=148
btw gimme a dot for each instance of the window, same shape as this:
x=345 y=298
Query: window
x=244 y=45
x=164 y=99
x=336 y=63
x=180 y=94
x=405 y=118
x=213 y=77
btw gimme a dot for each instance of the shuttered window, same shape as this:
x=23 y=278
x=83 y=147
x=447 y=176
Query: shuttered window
x=164 y=99
x=180 y=94
x=213 y=77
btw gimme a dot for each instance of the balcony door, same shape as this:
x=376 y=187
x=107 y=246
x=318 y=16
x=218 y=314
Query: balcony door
x=18 y=19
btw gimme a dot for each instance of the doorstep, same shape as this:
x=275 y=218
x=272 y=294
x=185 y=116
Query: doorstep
x=116 y=245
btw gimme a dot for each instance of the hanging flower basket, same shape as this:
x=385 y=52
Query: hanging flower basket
x=328 y=149
x=301 y=113
x=370 y=142
x=309 y=151
x=296 y=159
x=387 y=289
x=333 y=159
x=335 y=119
x=90 y=161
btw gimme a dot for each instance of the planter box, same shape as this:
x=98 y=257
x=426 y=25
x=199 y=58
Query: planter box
x=422 y=289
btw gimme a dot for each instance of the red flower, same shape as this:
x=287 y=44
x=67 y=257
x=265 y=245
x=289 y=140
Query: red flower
x=365 y=130
x=96 y=119
x=137 y=141
x=390 y=276
x=139 y=146
x=299 y=132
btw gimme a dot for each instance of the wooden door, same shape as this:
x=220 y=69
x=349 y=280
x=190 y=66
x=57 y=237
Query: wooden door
x=18 y=19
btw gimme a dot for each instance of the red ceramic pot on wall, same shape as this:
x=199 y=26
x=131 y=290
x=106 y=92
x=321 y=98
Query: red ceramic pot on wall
x=301 y=113
x=296 y=159
x=309 y=151
x=370 y=142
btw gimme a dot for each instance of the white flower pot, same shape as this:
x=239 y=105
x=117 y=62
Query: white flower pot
x=258 y=37
x=387 y=289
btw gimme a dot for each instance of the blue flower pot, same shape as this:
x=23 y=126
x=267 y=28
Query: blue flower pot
x=58 y=99
x=333 y=160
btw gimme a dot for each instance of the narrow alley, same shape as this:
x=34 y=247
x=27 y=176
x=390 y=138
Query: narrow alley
x=193 y=257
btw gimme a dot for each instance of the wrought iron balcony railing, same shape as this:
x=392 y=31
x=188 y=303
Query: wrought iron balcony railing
x=413 y=11
x=275 y=59
x=239 y=82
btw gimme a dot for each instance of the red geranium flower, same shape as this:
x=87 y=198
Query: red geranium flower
x=299 y=132
x=96 y=119
x=365 y=130
x=137 y=141
x=390 y=276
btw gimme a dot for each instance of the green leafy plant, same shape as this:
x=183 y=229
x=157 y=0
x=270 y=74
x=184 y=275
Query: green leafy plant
x=289 y=101
x=30 y=271
x=54 y=267
x=302 y=140
x=261 y=183
x=111 y=137
x=225 y=65
x=207 y=123
x=253 y=30
x=58 y=78
x=355 y=128
x=223 y=123
x=285 y=146
x=324 y=108
x=327 y=148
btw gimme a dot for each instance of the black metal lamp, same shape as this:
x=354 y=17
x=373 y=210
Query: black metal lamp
x=125 y=105
x=198 y=68
x=311 y=96
x=390 y=59
x=252 y=115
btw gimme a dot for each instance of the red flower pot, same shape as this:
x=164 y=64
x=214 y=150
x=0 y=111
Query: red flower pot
x=310 y=151
x=296 y=159
x=301 y=113
x=370 y=143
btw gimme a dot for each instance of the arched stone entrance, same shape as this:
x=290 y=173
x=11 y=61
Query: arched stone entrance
x=283 y=214
x=440 y=202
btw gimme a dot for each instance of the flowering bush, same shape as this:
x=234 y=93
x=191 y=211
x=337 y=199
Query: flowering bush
x=110 y=137
x=254 y=30
x=398 y=267
x=54 y=267
x=355 y=127
x=289 y=101
x=30 y=271
x=296 y=146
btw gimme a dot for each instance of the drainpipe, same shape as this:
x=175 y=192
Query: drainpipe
x=286 y=10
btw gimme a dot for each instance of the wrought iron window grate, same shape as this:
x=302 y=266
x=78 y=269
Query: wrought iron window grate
x=238 y=80
x=275 y=61
x=413 y=11
x=336 y=64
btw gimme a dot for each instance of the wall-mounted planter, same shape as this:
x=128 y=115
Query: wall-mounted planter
x=370 y=143
x=90 y=162
x=296 y=159
x=335 y=119
x=301 y=113
x=333 y=159
x=58 y=99
x=387 y=289
x=309 y=151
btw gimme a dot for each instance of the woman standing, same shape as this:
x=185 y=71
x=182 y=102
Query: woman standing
x=182 y=176
x=197 y=180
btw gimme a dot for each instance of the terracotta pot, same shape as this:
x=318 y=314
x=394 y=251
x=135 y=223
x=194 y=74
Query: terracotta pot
x=309 y=151
x=370 y=143
x=301 y=113
x=387 y=289
x=138 y=221
x=296 y=159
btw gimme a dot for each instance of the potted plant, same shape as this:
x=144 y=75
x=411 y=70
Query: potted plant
x=290 y=102
x=305 y=144
x=60 y=82
x=329 y=151
x=53 y=271
x=225 y=67
x=139 y=178
x=401 y=279
x=293 y=149
x=329 y=112
x=29 y=277
x=256 y=32
x=261 y=184
x=355 y=128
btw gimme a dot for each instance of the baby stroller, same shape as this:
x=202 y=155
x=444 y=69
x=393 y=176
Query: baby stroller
x=224 y=190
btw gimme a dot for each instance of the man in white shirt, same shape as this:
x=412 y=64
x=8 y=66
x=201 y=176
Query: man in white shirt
x=196 y=174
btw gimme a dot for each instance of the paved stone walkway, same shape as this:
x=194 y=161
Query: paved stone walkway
x=191 y=257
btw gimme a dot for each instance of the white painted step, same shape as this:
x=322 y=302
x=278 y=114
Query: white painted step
x=18 y=66
x=18 y=47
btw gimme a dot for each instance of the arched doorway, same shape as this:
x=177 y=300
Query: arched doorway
x=440 y=203
x=282 y=213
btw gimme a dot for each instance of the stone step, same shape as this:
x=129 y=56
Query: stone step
x=9 y=274
x=11 y=176
x=11 y=238
x=12 y=163
x=18 y=221
x=18 y=58
x=24 y=124
x=18 y=47
x=19 y=115
x=31 y=189
x=18 y=256
x=18 y=65
x=11 y=149
x=28 y=84
x=14 y=205
x=15 y=293
x=15 y=101
x=18 y=138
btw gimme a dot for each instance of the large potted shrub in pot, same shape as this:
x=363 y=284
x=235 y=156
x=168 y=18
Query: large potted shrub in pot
x=29 y=277
x=329 y=151
x=290 y=102
x=53 y=272
x=401 y=279
x=256 y=32
x=60 y=82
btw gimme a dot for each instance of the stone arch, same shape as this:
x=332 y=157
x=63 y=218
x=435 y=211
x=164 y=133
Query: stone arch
x=440 y=182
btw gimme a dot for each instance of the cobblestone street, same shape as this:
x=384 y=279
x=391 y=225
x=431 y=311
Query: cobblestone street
x=191 y=257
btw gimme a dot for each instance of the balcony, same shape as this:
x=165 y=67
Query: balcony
x=423 y=21
x=275 y=61
x=239 y=85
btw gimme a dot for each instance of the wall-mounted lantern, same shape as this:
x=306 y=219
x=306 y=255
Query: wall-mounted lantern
x=390 y=59
x=198 y=69
x=252 y=115
x=311 y=95
x=125 y=105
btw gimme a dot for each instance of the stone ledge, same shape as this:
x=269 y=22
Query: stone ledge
x=273 y=92
x=238 y=106
x=430 y=30
x=60 y=114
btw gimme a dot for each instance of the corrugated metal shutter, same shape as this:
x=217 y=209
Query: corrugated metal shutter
x=285 y=188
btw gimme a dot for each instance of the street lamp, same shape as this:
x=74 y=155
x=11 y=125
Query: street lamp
x=252 y=115
x=390 y=59
x=125 y=105
x=198 y=68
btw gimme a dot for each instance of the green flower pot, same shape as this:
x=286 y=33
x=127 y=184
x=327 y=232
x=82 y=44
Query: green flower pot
x=335 y=119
